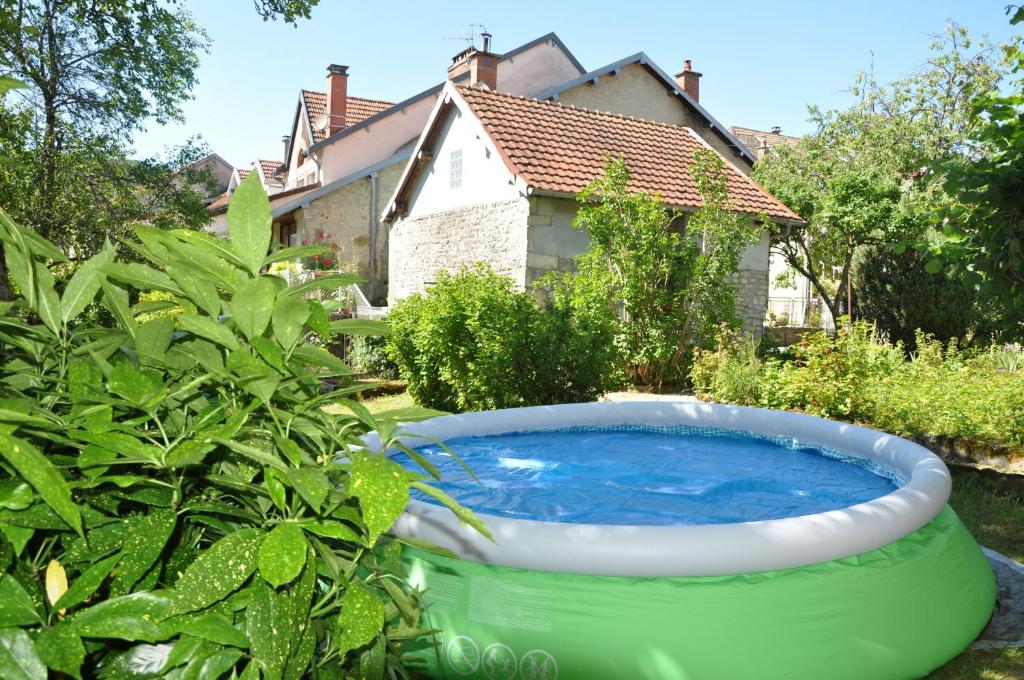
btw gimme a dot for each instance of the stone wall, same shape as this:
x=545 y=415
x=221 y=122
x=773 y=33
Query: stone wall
x=350 y=217
x=489 y=232
x=552 y=243
x=752 y=299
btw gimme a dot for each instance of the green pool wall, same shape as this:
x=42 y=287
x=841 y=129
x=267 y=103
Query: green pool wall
x=896 y=612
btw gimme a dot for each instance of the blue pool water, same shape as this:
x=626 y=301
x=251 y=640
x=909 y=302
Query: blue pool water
x=642 y=475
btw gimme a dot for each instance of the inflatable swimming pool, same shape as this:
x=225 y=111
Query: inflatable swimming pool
x=690 y=541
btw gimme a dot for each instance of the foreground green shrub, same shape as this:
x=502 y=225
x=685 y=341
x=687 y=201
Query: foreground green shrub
x=171 y=500
x=472 y=342
x=856 y=376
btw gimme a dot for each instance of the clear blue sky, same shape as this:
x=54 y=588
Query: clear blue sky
x=762 y=61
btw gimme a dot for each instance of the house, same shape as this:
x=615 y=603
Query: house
x=494 y=176
x=343 y=156
x=760 y=142
x=216 y=170
x=792 y=300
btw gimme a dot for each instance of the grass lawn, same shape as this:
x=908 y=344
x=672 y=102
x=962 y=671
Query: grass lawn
x=992 y=507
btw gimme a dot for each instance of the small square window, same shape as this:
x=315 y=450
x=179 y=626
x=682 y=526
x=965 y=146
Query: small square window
x=455 y=169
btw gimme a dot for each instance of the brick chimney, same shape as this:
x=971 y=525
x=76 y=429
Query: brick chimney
x=481 y=65
x=688 y=80
x=337 y=97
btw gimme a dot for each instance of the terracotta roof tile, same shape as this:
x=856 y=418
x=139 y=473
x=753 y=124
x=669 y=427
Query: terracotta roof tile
x=269 y=168
x=242 y=174
x=356 y=110
x=760 y=137
x=559 y=148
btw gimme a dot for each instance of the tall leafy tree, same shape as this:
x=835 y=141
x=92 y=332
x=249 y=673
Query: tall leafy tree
x=987 y=228
x=97 y=72
x=870 y=175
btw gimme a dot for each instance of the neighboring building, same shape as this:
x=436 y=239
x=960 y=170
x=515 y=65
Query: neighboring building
x=493 y=177
x=345 y=154
x=760 y=142
x=792 y=300
x=219 y=172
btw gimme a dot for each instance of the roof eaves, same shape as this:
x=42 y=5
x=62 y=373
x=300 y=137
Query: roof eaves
x=306 y=199
x=670 y=83
x=553 y=37
x=720 y=129
x=590 y=76
x=366 y=122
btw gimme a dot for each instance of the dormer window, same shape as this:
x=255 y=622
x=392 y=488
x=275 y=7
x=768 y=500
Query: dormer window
x=455 y=169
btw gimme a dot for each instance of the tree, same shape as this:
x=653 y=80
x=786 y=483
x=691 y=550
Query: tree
x=96 y=73
x=664 y=278
x=897 y=295
x=871 y=175
x=987 y=227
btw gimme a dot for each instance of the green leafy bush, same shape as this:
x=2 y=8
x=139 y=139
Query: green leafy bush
x=171 y=499
x=472 y=342
x=367 y=355
x=896 y=294
x=666 y=280
x=940 y=391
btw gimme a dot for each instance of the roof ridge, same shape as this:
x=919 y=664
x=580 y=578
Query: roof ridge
x=573 y=107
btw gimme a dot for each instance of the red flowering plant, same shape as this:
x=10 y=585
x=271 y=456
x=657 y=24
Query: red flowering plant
x=325 y=261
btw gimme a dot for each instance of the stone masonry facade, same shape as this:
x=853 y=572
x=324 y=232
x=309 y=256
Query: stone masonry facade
x=489 y=232
x=752 y=299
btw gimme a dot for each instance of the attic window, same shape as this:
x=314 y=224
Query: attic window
x=455 y=169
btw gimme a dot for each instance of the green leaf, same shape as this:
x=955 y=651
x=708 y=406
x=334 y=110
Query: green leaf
x=290 y=313
x=318 y=322
x=121 y=444
x=18 y=608
x=85 y=283
x=141 y=277
x=296 y=252
x=15 y=495
x=154 y=337
x=137 y=387
x=211 y=626
x=33 y=466
x=249 y=223
x=130 y=617
x=311 y=483
x=267 y=624
x=282 y=554
x=361 y=619
x=218 y=571
x=360 y=327
x=465 y=515
x=209 y=329
x=934 y=265
x=252 y=306
x=62 y=650
x=330 y=529
x=47 y=302
x=382 y=487
x=18 y=657
x=214 y=666
x=318 y=356
x=115 y=299
x=86 y=583
x=328 y=282
x=144 y=539
x=215 y=245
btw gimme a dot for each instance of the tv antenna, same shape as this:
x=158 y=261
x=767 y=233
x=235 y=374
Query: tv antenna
x=469 y=37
